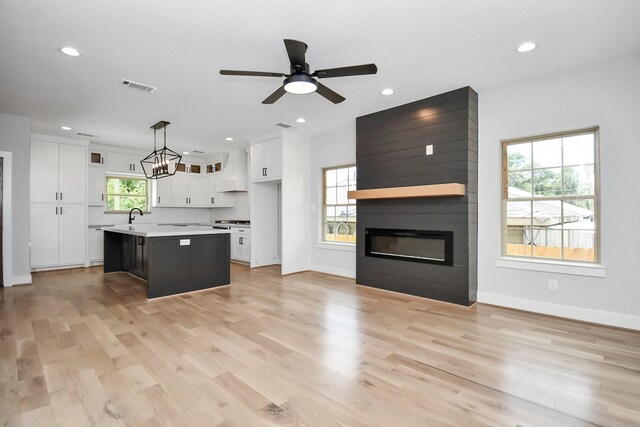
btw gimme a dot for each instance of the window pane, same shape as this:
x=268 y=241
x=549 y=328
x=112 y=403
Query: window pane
x=330 y=196
x=353 y=176
x=519 y=156
x=519 y=184
x=579 y=230
x=578 y=150
x=352 y=188
x=547 y=182
x=330 y=177
x=126 y=186
x=518 y=224
x=579 y=180
x=342 y=195
x=125 y=203
x=351 y=221
x=330 y=213
x=546 y=232
x=547 y=153
x=343 y=176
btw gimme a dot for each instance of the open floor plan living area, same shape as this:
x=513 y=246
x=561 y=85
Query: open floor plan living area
x=300 y=214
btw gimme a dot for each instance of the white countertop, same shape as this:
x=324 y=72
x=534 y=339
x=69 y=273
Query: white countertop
x=154 y=230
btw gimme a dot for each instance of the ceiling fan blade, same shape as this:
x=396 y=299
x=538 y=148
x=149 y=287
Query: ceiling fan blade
x=251 y=73
x=275 y=96
x=329 y=94
x=296 y=50
x=355 y=70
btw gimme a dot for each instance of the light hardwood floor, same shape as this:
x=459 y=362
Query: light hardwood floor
x=82 y=348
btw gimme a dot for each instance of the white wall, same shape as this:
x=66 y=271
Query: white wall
x=333 y=149
x=239 y=211
x=15 y=137
x=606 y=95
x=156 y=216
x=296 y=152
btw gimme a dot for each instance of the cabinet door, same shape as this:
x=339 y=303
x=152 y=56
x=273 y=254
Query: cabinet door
x=124 y=164
x=163 y=192
x=236 y=247
x=96 y=244
x=44 y=171
x=97 y=186
x=274 y=167
x=246 y=248
x=196 y=191
x=259 y=161
x=44 y=235
x=73 y=229
x=73 y=173
x=179 y=190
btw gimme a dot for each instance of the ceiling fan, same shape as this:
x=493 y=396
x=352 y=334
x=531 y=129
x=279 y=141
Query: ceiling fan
x=301 y=81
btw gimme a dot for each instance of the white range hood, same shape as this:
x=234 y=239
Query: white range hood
x=234 y=173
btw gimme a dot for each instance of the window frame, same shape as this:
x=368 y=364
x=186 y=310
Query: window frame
x=107 y=194
x=595 y=130
x=324 y=205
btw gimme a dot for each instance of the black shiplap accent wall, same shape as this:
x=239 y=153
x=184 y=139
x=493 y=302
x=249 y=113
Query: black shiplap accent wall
x=390 y=152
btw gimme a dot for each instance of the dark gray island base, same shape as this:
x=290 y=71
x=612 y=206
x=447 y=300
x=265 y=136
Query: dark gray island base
x=171 y=264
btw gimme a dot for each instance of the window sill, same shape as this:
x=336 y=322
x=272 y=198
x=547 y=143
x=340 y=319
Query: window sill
x=126 y=212
x=349 y=247
x=574 y=268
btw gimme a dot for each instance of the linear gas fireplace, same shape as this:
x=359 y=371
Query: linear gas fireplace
x=433 y=247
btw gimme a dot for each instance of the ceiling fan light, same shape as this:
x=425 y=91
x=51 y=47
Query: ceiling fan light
x=300 y=84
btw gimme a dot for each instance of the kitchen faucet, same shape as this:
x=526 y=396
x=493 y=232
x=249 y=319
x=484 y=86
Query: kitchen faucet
x=131 y=218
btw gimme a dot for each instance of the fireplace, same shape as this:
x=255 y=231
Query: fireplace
x=432 y=247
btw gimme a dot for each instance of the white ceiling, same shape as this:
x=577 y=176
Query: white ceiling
x=421 y=47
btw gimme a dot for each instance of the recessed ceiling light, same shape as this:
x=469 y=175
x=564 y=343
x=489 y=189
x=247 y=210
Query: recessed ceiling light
x=228 y=139
x=526 y=47
x=65 y=128
x=301 y=120
x=186 y=153
x=387 y=92
x=68 y=50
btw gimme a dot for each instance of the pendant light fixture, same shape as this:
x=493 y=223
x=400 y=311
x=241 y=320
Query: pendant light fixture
x=160 y=163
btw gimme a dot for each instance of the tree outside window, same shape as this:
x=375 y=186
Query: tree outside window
x=124 y=194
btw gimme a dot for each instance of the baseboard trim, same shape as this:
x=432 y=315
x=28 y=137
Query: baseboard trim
x=333 y=271
x=619 y=320
x=21 y=280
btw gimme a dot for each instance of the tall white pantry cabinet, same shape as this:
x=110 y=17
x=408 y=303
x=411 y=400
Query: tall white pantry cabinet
x=58 y=188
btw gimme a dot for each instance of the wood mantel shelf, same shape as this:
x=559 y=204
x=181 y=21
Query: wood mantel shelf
x=416 y=191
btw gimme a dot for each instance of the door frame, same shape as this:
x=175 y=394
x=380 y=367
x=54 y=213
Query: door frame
x=7 y=242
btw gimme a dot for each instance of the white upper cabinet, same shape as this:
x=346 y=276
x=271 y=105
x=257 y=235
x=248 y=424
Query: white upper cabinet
x=216 y=199
x=266 y=160
x=163 y=192
x=73 y=174
x=97 y=186
x=58 y=172
x=125 y=164
x=44 y=171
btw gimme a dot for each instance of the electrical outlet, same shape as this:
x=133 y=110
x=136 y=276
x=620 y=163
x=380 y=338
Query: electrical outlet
x=429 y=150
x=553 y=285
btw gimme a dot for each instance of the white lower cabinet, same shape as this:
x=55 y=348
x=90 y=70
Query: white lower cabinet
x=241 y=244
x=96 y=245
x=58 y=235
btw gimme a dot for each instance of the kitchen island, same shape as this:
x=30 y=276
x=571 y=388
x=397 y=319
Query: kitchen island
x=172 y=259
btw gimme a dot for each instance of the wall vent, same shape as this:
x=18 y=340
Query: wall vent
x=283 y=125
x=139 y=86
x=198 y=152
x=86 y=135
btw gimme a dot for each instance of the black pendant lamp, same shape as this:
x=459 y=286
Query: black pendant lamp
x=158 y=164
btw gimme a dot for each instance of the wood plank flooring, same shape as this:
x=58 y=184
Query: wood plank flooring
x=82 y=348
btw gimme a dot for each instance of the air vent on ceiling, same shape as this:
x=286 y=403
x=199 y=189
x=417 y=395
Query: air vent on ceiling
x=197 y=152
x=283 y=125
x=86 y=135
x=139 y=86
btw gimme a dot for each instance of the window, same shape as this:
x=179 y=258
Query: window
x=339 y=222
x=123 y=194
x=550 y=196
